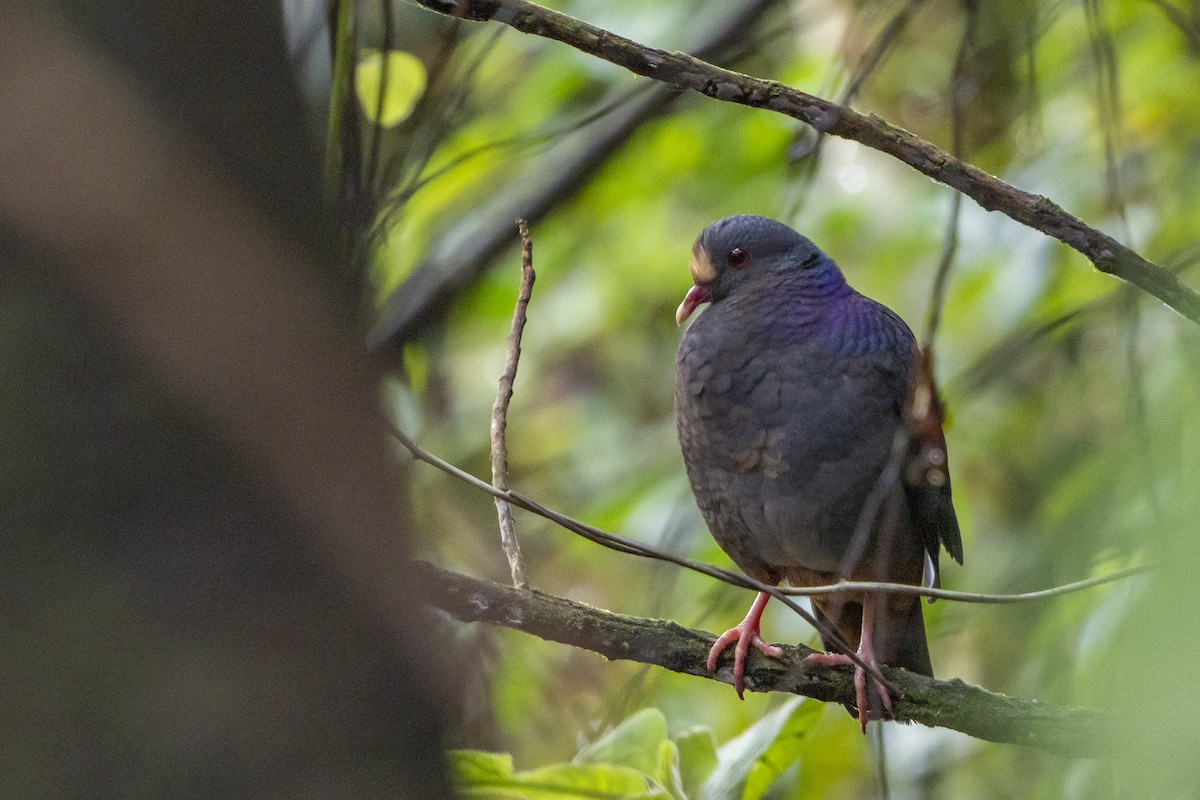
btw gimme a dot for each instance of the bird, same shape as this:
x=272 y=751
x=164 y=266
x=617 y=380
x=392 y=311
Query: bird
x=791 y=392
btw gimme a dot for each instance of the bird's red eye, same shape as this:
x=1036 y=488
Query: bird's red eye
x=738 y=258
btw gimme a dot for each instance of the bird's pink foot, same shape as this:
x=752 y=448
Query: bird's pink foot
x=866 y=654
x=745 y=633
x=860 y=681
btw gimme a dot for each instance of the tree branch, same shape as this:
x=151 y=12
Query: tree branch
x=1068 y=731
x=685 y=71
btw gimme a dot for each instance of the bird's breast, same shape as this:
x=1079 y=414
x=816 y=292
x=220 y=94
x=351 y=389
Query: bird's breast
x=783 y=435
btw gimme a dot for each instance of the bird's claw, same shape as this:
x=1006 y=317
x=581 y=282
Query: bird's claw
x=860 y=682
x=745 y=635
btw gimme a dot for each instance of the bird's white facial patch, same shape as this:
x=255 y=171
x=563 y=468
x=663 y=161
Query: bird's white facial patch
x=703 y=275
x=701 y=268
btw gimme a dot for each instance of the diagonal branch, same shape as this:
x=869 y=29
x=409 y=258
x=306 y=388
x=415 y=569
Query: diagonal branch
x=1068 y=731
x=685 y=71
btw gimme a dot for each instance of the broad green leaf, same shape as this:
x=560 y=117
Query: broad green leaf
x=405 y=85
x=640 y=741
x=750 y=763
x=472 y=767
x=784 y=750
x=632 y=743
x=490 y=776
x=667 y=773
x=697 y=757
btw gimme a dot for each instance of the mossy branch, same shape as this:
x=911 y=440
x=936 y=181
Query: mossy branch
x=687 y=72
x=1068 y=731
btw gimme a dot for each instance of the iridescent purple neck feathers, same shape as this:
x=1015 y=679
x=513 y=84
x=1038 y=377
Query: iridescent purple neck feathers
x=818 y=301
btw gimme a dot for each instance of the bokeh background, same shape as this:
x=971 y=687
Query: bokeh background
x=168 y=632
x=1072 y=399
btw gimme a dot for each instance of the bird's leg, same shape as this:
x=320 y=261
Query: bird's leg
x=866 y=651
x=745 y=633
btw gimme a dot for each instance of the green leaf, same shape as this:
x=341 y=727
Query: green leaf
x=490 y=776
x=632 y=743
x=471 y=767
x=749 y=764
x=405 y=84
x=697 y=757
x=639 y=741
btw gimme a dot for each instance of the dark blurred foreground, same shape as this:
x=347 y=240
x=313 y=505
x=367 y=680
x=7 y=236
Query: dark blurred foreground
x=204 y=589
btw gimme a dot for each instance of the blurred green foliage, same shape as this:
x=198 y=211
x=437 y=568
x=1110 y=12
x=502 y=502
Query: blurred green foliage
x=1075 y=447
x=636 y=758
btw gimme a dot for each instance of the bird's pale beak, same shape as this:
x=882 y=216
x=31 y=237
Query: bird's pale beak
x=697 y=295
x=703 y=274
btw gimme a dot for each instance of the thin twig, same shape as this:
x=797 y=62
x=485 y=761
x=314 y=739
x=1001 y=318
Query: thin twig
x=937 y=300
x=344 y=47
x=972 y=597
x=879 y=756
x=508 y=532
x=545 y=135
x=998 y=360
x=808 y=149
x=828 y=634
x=868 y=516
x=1108 y=109
x=879 y=50
x=387 y=20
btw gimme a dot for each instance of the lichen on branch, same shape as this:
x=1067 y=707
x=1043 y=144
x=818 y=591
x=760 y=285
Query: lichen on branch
x=1068 y=731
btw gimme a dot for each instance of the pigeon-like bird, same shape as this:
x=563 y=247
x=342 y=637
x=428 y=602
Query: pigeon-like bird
x=791 y=389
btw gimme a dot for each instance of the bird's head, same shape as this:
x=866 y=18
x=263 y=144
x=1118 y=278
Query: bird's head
x=740 y=250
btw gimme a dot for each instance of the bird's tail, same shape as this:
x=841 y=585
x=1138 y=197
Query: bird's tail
x=902 y=643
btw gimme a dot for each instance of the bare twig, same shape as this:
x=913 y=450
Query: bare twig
x=525 y=140
x=344 y=46
x=1108 y=108
x=508 y=533
x=377 y=128
x=879 y=50
x=679 y=69
x=973 y=597
x=998 y=360
x=923 y=377
x=807 y=149
x=948 y=704
x=879 y=762
x=937 y=300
